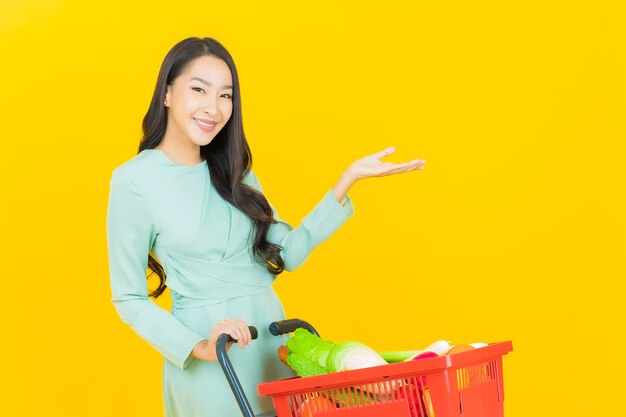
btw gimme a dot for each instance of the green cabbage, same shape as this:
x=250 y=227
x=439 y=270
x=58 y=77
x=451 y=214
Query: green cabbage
x=304 y=366
x=308 y=345
x=309 y=354
x=346 y=356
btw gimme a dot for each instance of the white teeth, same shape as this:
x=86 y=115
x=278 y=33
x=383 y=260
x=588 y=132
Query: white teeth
x=203 y=123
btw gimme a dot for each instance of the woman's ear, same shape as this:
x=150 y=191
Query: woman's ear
x=168 y=94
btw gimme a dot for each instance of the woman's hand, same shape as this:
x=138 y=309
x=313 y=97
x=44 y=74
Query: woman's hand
x=237 y=329
x=372 y=166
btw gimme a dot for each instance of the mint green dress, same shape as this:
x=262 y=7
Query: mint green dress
x=202 y=242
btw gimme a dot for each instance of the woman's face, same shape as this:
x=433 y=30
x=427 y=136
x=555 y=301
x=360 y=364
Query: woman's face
x=199 y=101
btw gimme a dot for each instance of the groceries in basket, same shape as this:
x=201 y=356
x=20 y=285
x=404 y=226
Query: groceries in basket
x=310 y=355
x=352 y=379
x=314 y=404
x=439 y=348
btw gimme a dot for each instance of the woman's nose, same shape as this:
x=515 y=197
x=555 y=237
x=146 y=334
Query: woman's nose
x=210 y=106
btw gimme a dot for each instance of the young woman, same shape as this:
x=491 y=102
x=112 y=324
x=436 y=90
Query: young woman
x=189 y=207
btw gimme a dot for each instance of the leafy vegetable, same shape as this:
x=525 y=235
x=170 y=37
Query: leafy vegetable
x=311 y=355
x=304 y=366
x=309 y=346
x=346 y=356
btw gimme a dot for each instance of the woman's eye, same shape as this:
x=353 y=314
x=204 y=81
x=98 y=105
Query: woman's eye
x=196 y=88
x=227 y=95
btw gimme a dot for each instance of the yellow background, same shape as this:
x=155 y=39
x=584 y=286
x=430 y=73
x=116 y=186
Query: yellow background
x=514 y=231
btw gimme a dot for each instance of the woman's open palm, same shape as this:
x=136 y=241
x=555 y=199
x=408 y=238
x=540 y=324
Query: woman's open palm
x=372 y=166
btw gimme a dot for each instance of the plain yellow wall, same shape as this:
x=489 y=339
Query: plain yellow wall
x=514 y=231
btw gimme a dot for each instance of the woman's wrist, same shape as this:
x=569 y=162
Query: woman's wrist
x=344 y=184
x=200 y=350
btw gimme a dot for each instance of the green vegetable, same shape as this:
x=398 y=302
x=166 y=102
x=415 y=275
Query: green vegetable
x=346 y=356
x=313 y=355
x=309 y=346
x=440 y=347
x=399 y=356
x=304 y=366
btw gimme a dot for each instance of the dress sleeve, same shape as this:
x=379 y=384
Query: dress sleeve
x=130 y=235
x=317 y=226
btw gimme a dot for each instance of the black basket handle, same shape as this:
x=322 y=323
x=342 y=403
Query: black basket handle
x=276 y=328
x=229 y=372
x=290 y=325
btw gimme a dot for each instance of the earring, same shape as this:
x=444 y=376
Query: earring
x=165 y=102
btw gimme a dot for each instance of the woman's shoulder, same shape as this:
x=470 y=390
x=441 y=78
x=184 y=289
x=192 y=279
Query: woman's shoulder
x=139 y=166
x=139 y=171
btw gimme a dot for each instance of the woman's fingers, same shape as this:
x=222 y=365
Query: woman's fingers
x=243 y=334
x=406 y=168
x=401 y=167
x=385 y=152
x=237 y=334
x=247 y=336
x=237 y=329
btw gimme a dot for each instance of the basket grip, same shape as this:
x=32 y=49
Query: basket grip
x=229 y=371
x=287 y=326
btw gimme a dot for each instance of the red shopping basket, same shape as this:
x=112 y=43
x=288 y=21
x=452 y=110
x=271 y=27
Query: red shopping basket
x=465 y=384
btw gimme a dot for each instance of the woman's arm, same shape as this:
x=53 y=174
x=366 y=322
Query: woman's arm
x=329 y=214
x=340 y=190
x=321 y=222
x=130 y=234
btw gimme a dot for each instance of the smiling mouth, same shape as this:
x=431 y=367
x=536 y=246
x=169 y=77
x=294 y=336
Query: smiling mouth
x=200 y=122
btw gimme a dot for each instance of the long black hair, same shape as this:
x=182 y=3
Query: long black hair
x=228 y=155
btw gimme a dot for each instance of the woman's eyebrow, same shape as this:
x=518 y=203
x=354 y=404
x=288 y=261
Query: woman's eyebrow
x=205 y=82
